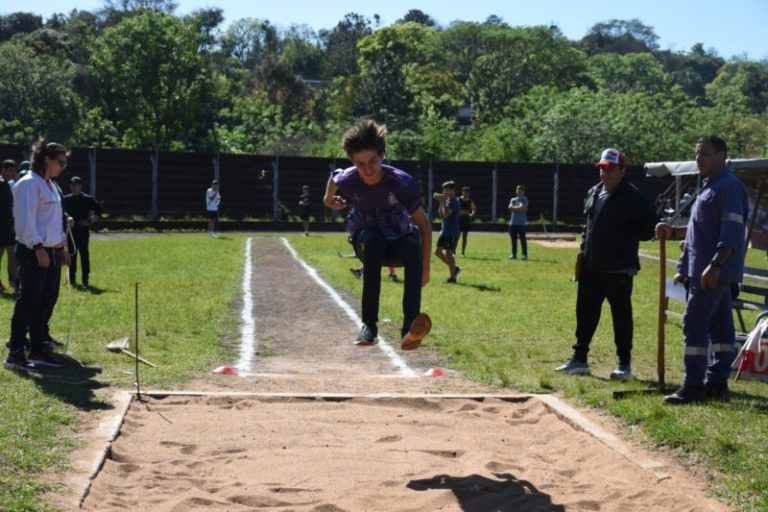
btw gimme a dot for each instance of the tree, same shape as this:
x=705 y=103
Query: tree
x=633 y=72
x=619 y=36
x=250 y=41
x=417 y=16
x=522 y=58
x=742 y=78
x=38 y=98
x=19 y=23
x=154 y=83
x=340 y=45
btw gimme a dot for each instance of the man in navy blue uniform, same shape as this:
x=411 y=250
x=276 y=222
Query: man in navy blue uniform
x=713 y=260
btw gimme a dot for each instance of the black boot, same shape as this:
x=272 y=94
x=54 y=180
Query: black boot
x=717 y=391
x=687 y=394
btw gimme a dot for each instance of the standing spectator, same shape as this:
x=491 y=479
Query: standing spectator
x=7 y=232
x=40 y=253
x=467 y=212
x=212 y=203
x=84 y=211
x=518 y=222
x=388 y=227
x=712 y=261
x=618 y=217
x=304 y=208
x=449 y=233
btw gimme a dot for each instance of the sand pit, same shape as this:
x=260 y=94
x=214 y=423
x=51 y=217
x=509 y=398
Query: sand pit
x=371 y=454
x=329 y=427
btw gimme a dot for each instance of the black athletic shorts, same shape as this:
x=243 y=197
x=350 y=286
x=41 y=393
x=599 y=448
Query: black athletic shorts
x=448 y=242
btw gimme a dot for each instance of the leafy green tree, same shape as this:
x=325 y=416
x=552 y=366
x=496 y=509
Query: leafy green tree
x=37 y=96
x=619 y=36
x=633 y=72
x=417 y=16
x=750 y=79
x=522 y=58
x=153 y=79
x=251 y=42
x=340 y=45
x=300 y=52
x=692 y=70
x=19 y=23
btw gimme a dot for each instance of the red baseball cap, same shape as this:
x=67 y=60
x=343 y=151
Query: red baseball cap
x=611 y=158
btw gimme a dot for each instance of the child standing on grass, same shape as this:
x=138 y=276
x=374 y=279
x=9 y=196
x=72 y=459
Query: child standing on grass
x=212 y=202
x=388 y=227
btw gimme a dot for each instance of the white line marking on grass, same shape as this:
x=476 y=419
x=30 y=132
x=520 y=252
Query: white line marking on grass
x=394 y=357
x=247 y=324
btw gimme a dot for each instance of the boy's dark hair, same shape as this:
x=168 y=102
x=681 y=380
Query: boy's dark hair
x=716 y=142
x=520 y=187
x=365 y=135
x=7 y=164
x=450 y=184
x=41 y=149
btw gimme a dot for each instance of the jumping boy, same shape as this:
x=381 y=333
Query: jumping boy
x=388 y=227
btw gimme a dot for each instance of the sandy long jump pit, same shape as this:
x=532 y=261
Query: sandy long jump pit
x=375 y=453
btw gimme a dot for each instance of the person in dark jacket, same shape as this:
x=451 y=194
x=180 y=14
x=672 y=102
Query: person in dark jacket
x=84 y=211
x=617 y=218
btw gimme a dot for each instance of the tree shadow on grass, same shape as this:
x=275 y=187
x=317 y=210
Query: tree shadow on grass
x=477 y=493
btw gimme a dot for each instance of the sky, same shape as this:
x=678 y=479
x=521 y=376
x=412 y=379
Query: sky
x=732 y=28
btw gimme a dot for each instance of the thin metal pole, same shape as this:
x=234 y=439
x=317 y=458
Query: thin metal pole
x=136 y=337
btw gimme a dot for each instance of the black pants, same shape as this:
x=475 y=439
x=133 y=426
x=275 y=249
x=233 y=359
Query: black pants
x=37 y=297
x=375 y=252
x=82 y=236
x=594 y=288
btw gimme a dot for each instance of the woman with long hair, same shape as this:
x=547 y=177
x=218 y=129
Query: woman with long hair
x=40 y=252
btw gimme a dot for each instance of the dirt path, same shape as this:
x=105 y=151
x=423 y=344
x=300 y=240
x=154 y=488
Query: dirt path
x=374 y=446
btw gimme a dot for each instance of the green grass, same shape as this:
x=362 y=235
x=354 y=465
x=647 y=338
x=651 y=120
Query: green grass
x=187 y=287
x=506 y=323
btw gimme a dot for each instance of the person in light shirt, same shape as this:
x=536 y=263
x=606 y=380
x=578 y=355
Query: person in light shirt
x=40 y=252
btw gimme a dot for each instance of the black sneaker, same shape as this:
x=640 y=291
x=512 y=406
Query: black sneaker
x=17 y=361
x=686 y=395
x=366 y=337
x=393 y=277
x=44 y=359
x=717 y=391
x=356 y=272
x=52 y=342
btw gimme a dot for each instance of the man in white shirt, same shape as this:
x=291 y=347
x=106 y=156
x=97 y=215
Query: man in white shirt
x=212 y=201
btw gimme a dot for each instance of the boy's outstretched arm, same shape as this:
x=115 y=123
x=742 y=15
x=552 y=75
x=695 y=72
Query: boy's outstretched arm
x=421 y=220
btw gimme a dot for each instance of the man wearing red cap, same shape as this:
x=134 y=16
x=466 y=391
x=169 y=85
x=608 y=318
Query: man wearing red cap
x=618 y=217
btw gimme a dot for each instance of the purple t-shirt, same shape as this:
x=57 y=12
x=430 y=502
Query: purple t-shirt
x=386 y=206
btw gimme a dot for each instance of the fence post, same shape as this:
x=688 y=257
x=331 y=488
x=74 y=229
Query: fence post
x=276 y=188
x=154 y=208
x=495 y=185
x=216 y=166
x=92 y=161
x=555 y=199
x=430 y=188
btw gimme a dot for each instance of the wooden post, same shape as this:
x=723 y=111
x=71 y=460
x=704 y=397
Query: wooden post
x=660 y=346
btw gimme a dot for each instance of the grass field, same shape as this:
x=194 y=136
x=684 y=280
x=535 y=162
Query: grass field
x=506 y=323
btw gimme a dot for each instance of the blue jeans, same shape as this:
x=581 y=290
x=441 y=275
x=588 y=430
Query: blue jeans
x=375 y=252
x=514 y=233
x=38 y=293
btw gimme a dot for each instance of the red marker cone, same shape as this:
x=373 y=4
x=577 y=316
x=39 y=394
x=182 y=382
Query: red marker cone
x=225 y=370
x=434 y=372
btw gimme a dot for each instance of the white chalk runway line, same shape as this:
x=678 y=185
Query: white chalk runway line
x=248 y=323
